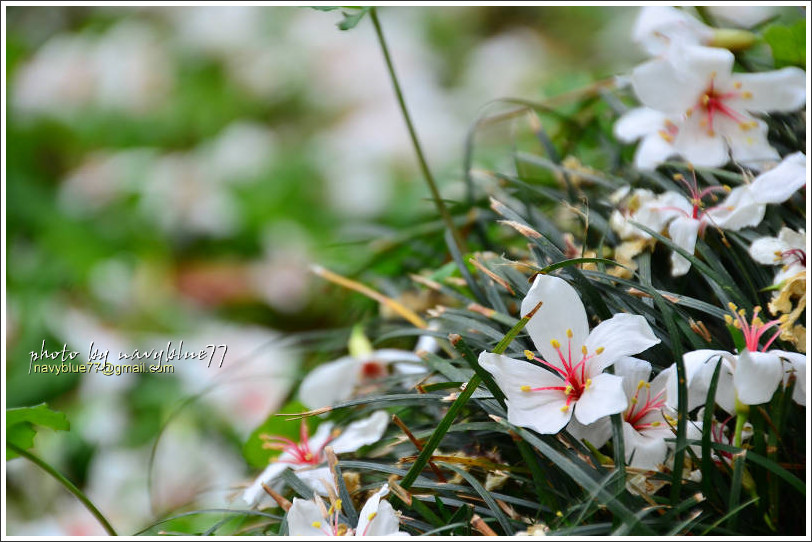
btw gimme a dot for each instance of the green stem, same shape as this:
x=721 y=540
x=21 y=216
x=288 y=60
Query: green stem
x=742 y=413
x=65 y=482
x=435 y=193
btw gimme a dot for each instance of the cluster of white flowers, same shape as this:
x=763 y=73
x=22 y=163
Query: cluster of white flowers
x=686 y=218
x=694 y=105
x=566 y=386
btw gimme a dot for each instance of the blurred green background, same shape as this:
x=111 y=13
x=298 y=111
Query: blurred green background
x=172 y=173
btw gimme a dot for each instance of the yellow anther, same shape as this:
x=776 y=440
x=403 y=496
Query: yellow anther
x=338 y=505
x=756 y=310
x=705 y=99
x=747 y=94
x=655 y=424
x=689 y=112
x=679 y=177
x=317 y=524
x=744 y=126
x=569 y=334
x=308 y=456
x=634 y=400
x=588 y=383
x=559 y=514
x=711 y=133
x=599 y=350
x=737 y=84
x=666 y=136
x=726 y=188
x=583 y=350
x=742 y=313
x=529 y=355
x=641 y=384
x=737 y=324
x=703 y=123
x=648 y=385
x=565 y=408
x=732 y=307
x=372 y=516
x=568 y=389
x=525 y=388
x=555 y=344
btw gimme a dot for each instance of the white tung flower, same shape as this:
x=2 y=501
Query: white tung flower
x=570 y=375
x=312 y=518
x=744 y=206
x=658 y=27
x=646 y=421
x=788 y=250
x=695 y=107
x=337 y=380
x=306 y=456
x=751 y=377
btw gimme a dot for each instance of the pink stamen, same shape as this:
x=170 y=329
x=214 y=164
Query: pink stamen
x=301 y=453
x=573 y=374
x=795 y=255
x=652 y=404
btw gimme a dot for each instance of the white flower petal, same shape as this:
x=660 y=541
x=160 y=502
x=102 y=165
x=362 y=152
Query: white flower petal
x=540 y=410
x=767 y=250
x=696 y=145
x=369 y=509
x=254 y=493
x=792 y=238
x=321 y=437
x=604 y=397
x=653 y=151
x=780 y=183
x=361 y=432
x=657 y=27
x=738 y=210
x=330 y=383
x=644 y=450
x=637 y=123
x=597 y=433
x=659 y=86
x=700 y=65
x=632 y=370
x=757 y=376
x=748 y=145
x=779 y=90
x=683 y=231
x=621 y=335
x=378 y=518
x=699 y=367
x=302 y=518
x=390 y=355
x=561 y=309
x=797 y=365
x=316 y=478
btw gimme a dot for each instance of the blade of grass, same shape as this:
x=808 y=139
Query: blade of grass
x=67 y=484
x=451 y=415
x=457 y=239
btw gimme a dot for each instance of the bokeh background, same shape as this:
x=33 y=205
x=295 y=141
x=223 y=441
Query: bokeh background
x=171 y=175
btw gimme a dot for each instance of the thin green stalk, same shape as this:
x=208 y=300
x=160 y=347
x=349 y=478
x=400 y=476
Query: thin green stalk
x=67 y=483
x=435 y=193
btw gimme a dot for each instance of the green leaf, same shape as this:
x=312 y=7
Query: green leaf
x=788 y=44
x=352 y=19
x=39 y=415
x=275 y=425
x=21 y=422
